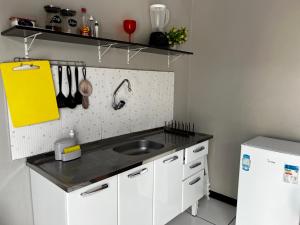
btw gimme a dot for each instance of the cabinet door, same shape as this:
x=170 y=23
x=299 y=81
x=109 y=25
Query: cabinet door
x=94 y=205
x=135 y=198
x=167 y=200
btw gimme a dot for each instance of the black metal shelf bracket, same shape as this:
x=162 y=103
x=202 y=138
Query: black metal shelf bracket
x=28 y=42
x=101 y=53
x=172 y=59
x=136 y=52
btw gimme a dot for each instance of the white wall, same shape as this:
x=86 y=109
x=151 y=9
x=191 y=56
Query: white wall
x=15 y=206
x=245 y=77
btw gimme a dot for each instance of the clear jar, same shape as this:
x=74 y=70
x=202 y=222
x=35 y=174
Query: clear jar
x=70 y=24
x=53 y=20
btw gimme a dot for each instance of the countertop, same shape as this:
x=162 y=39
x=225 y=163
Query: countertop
x=99 y=161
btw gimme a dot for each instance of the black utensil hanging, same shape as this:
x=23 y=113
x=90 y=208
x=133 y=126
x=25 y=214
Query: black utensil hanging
x=71 y=103
x=60 y=98
x=78 y=95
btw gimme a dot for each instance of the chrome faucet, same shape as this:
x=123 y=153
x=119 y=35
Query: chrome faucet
x=120 y=104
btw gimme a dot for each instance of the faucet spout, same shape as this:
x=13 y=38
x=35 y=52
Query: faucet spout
x=120 y=105
x=121 y=84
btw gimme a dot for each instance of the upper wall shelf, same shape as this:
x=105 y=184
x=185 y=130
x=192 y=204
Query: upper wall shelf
x=102 y=44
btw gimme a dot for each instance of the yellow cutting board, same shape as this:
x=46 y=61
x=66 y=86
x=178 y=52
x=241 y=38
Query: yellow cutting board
x=30 y=93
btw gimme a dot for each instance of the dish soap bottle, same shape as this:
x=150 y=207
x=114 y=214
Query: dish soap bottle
x=84 y=29
x=66 y=149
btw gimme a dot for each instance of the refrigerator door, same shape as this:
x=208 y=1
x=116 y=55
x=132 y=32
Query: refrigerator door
x=269 y=193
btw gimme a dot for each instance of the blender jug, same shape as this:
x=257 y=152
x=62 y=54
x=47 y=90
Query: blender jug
x=160 y=16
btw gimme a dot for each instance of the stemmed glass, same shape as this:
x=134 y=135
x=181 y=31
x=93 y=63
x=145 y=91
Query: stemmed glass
x=129 y=27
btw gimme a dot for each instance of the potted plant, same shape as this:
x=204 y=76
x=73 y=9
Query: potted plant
x=177 y=36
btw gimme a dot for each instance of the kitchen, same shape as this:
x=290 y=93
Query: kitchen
x=245 y=53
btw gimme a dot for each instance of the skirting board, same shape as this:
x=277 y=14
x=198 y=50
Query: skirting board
x=223 y=198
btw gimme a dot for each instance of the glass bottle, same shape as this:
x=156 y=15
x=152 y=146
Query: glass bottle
x=96 y=29
x=92 y=26
x=84 y=29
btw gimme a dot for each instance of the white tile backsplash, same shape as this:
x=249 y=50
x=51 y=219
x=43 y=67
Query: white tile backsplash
x=148 y=106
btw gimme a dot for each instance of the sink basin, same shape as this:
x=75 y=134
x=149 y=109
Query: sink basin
x=138 y=147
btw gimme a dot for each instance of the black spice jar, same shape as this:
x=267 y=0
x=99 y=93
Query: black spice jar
x=53 y=20
x=69 y=21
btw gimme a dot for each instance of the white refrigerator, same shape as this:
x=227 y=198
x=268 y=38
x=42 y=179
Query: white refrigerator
x=269 y=189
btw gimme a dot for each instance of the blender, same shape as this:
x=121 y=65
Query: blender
x=160 y=16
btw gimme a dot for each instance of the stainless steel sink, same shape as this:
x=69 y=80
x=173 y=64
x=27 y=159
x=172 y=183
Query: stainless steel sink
x=138 y=147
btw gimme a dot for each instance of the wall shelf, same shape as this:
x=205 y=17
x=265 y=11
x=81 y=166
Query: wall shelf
x=44 y=34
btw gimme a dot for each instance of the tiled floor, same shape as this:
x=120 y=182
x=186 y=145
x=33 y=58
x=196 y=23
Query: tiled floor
x=210 y=212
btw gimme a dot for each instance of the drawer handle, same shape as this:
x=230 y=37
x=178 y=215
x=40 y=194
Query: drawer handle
x=101 y=188
x=140 y=172
x=171 y=159
x=195 y=165
x=199 y=149
x=195 y=181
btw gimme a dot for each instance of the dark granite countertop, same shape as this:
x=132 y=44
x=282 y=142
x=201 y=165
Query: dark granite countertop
x=99 y=161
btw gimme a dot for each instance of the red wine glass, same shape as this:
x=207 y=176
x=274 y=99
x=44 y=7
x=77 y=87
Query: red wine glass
x=129 y=27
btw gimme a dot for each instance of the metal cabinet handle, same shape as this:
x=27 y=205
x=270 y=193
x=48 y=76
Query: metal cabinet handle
x=195 y=181
x=195 y=165
x=101 y=188
x=170 y=159
x=199 y=149
x=140 y=172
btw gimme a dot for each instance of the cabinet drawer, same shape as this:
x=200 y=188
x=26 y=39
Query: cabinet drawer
x=192 y=190
x=193 y=167
x=196 y=151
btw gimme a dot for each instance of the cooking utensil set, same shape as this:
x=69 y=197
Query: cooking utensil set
x=83 y=90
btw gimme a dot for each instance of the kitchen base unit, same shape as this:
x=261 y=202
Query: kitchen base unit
x=95 y=204
x=152 y=193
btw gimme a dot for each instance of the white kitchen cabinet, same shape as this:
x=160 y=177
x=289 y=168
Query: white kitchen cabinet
x=167 y=198
x=150 y=194
x=95 y=204
x=135 y=196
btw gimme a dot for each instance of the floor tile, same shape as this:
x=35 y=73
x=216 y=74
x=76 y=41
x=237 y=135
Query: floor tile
x=187 y=219
x=216 y=212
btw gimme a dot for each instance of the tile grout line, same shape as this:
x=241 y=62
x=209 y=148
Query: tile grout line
x=201 y=218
